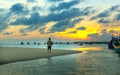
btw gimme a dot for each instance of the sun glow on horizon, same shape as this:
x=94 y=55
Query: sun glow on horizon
x=92 y=27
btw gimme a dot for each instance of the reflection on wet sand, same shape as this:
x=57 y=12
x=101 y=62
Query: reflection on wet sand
x=88 y=48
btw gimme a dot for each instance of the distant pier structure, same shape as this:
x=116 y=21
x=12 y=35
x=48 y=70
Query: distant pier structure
x=22 y=43
x=28 y=43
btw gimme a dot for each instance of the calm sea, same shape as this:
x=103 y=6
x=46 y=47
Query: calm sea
x=94 y=60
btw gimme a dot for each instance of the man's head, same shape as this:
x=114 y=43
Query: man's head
x=49 y=38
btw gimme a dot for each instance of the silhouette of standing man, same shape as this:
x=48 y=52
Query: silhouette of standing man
x=49 y=44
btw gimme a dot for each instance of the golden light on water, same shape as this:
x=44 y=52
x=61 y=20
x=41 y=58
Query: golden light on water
x=88 y=48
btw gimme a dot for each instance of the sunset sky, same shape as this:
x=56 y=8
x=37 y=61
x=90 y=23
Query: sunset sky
x=82 y=20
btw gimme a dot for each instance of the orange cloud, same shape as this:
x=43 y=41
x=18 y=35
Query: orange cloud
x=48 y=26
x=14 y=30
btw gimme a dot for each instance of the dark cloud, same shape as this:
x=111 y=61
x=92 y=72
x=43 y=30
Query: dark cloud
x=3 y=26
x=31 y=0
x=103 y=21
x=55 y=0
x=3 y=21
x=36 y=19
x=72 y=32
x=106 y=13
x=92 y=18
x=101 y=15
x=65 y=5
x=8 y=33
x=19 y=21
x=24 y=34
x=36 y=8
x=13 y=13
x=33 y=20
x=88 y=10
x=4 y=16
x=62 y=25
x=29 y=29
x=62 y=19
x=117 y=17
x=42 y=30
x=77 y=20
x=81 y=28
x=22 y=30
x=17 y=8
x=68 y=14
x=115 y=8
x=1 y=11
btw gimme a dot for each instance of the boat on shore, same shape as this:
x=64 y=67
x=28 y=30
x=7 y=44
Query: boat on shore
x=114 y=44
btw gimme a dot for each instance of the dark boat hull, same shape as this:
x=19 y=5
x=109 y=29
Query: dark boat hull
x=117 y=50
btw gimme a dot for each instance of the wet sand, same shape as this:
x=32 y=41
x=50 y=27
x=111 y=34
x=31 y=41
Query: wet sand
x=15 y=54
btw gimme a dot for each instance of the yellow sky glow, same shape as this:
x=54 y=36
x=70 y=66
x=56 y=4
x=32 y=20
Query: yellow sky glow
x=92 y=27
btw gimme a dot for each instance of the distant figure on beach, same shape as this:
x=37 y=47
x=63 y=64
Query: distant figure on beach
x=49 y=45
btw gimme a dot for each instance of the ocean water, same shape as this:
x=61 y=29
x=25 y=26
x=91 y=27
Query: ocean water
x=94 y=60
x=42 y=45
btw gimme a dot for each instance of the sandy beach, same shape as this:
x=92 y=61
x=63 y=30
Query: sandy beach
x=15 y=54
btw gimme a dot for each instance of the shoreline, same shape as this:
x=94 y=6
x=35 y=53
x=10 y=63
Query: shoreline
x=16 y=54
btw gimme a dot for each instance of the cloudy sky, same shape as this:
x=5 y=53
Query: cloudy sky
x=85 y=20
